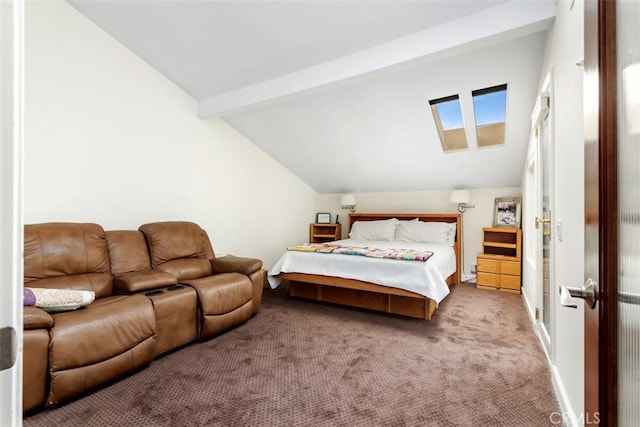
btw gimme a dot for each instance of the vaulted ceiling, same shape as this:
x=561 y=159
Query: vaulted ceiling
x=338 y=91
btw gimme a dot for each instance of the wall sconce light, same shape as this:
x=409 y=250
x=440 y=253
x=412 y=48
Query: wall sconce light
x=461 y=197
x=348 y=201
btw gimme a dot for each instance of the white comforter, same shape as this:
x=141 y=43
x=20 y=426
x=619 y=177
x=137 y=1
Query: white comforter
x=424 y=278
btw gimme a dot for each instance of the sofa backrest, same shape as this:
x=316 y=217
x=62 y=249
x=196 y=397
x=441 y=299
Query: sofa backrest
x=128 y=251
x=179 y=247
x=67 y=256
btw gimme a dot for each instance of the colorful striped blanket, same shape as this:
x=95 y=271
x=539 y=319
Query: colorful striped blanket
x=328 y=248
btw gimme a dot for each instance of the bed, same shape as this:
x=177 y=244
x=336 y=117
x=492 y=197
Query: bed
x=408 y=288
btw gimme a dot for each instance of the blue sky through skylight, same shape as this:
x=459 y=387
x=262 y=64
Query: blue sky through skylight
x=450 y=114
x=490 y=108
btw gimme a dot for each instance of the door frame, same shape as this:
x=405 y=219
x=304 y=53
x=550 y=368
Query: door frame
x=11 y=222
x=601 y=211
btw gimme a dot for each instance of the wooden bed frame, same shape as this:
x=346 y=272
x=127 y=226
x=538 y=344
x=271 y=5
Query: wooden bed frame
x=356 y=293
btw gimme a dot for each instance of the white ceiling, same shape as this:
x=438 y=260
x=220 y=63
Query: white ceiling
x=337 y=91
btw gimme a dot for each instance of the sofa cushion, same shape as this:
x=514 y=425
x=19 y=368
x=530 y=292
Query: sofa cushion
x=99 y=343
x=127 y=251
x=67 y=256
x=102 y=330
x=174 y=240
x=100 y=283
x=187 y=268
x=131 y=263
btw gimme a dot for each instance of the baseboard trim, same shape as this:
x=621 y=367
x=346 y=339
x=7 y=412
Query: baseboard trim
x=532 y=316
x=567 y=414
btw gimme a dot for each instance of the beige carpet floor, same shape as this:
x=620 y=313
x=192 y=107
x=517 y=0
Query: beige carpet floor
x=299 y=363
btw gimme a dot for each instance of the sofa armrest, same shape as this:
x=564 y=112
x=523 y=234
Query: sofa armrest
x=139 y=281
x=36 y=318
x=234 y=264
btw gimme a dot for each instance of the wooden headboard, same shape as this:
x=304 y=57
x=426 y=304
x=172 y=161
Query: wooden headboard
x=426 y=217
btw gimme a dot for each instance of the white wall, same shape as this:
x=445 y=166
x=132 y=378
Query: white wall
x=428 y=201
x=110 y=140
x=564 y=48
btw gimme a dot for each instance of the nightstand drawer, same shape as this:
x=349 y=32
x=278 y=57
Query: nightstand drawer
x=510 y=282
x=488 y=279
x=510 y=267
x=488 y=265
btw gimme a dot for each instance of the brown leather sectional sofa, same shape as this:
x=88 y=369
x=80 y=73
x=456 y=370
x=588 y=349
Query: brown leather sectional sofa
x=156 y=289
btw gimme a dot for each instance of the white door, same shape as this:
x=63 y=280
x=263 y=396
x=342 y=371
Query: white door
x=543 y=226
x=11 y=27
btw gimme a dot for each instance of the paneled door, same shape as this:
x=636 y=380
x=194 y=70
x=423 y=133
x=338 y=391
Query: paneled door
x=601 y=244
x=544 y=203
x=543 y=222
x=612 y=212
x=628 y=301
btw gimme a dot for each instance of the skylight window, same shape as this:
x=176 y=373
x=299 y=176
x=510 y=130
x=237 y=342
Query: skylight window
x=448 y=116
x=490 y=108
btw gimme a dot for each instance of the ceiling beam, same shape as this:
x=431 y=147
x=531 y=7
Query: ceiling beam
x=497 y=24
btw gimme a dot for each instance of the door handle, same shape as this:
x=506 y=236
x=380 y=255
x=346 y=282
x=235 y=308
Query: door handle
x=629 y=298
x=542 y=221
x=587 y=292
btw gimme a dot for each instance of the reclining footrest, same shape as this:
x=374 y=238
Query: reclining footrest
x=225 y=301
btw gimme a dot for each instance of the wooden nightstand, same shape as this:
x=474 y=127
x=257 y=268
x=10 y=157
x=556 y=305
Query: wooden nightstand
x=499 y=265
x=320 y=233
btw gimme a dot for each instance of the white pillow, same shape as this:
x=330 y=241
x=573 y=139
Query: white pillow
x=374 y=230
x=451 y=239
x=54 y=300
x=426 y=232
x=407 y=220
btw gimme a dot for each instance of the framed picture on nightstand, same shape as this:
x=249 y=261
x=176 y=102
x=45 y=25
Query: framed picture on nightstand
x=323 y=218
x=507 y=212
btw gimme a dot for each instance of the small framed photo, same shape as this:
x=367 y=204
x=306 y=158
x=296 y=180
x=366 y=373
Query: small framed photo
x=323 y=218
x=507 y=212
